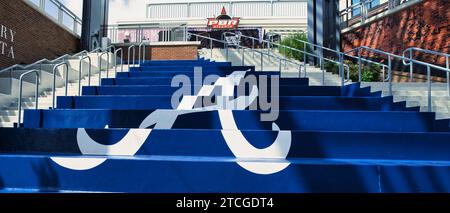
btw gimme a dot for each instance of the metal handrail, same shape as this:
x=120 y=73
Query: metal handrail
x=262 y=53
x=47 y=60
x=110 y=48
x=142 y=44
x=19 y=108
x=100 y=66
x=129 y=53
x=54 y=81
x=411 y=55
x=224 y=42
x=121 y=59
x=81 y=70
x=304 y=51
x=391 y=56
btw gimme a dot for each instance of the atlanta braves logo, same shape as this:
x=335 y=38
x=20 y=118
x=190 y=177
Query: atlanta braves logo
x=165 y=119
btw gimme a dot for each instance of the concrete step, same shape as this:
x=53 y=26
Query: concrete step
x=440 y=99
x=6 y=124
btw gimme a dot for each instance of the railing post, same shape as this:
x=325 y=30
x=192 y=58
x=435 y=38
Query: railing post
x=121 y=59
x=36 y=95
x=253 y=47
x=304 y=57
x=286 y=56
x=322 y=66
x=55 y=68
x=100 y=67
x=280 y=65
x=341 y=69
x=211 y=47
x=227 y=52
x=360 y=65
x=129 y=55
x=80 y=72
x=429 y=89
x=299 y=70
x=448 y=74
x=262 y=61
x=390 y=75
x=411 y=66
x=243 y=56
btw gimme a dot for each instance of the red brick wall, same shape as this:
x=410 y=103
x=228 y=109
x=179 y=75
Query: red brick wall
x=36 y=36
x=172 y=52
x=425 y=25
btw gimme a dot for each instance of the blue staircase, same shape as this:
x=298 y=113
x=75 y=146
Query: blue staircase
x=126 y=136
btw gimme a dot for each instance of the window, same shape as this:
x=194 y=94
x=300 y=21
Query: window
x=369 y=5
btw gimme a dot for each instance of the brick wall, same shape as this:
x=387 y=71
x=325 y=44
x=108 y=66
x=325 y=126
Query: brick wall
x=174 y=53
x=36 y=36
x=187 y=51
x=425 y=25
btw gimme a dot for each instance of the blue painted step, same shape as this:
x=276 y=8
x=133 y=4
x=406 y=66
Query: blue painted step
x=286 y=103
x=211 y=143
x=350 y=90
x=168 y=80
x=246 y=120
x=157 y=174
x=184 y=63
x=190 y=68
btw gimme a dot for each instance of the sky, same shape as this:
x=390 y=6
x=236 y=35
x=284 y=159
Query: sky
x=118 y=9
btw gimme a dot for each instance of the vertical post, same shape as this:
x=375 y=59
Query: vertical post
x=411 y=67
x=268 y=49
x=390 y=75
x=280 y=65
x=60 y=15
x=262 y=61
x=285 y=56
x=66 y=91
x=243 y=56
x=429 y=88
x=304 y=57
x=360 y=65
x=448 y=74
x=227 y=52
x=322 y=66
x=341 y=69
x=211 y=47
x=36 y=95
x=299 y=70
x=253 y=47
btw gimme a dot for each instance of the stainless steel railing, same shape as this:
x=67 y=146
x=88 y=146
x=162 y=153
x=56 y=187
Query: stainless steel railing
x=305 y=52
x=411 y=51
x=100 y=66
x=364 y=9
x=83 y=58
x=129 y=53
x=391 y=56
x=142 y=44
x=19 y=107
x=121 y=59
x=281 y=59
x=55 y=68
x=62 y=15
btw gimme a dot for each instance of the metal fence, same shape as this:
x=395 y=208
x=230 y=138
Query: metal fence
x=59 y=13
x=364 y=9
x=136 y=33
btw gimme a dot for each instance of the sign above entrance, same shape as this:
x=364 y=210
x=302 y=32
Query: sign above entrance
x=223 y=22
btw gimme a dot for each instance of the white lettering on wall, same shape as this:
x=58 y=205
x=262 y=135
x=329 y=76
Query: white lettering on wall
x=7 y=37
